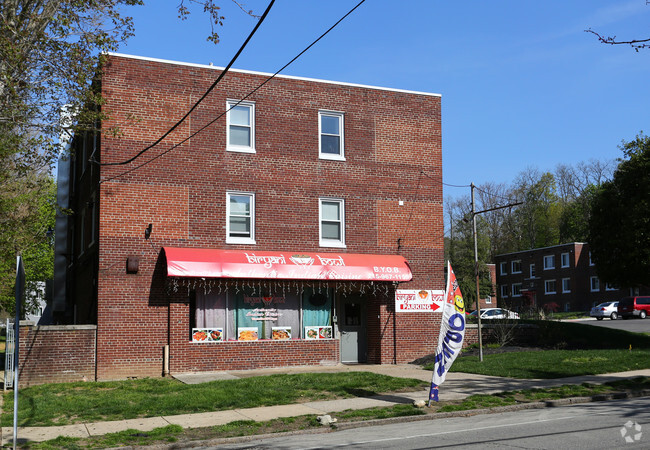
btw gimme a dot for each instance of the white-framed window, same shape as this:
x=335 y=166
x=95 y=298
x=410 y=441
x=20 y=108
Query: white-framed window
x=240 y=218
x=504 y=291
x=331 y=214
x=566 y=285
x=240 y=126
x=549 y=262
x=564 y=260
x=331 y=142
x=515 y=266
x=516 y=289
x=532 y=270
x=549 y=287
x=594 y=283
x=611 y=287
x=488 y=300
x=503 y=268
x=591 y=263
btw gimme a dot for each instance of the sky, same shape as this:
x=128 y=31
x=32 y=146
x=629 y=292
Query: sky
x=522 y=84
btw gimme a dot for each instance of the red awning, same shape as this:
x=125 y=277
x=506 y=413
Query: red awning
x=208 y=263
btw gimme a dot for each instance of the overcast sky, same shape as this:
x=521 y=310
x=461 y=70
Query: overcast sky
x=522 y=84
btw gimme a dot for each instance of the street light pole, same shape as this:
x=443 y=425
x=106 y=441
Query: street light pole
x=476 y=272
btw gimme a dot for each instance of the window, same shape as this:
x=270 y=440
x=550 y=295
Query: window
x=591 y=263
x=516 y=290
x=504 y=291
x=332 y=222
x=516 y=266
x=488 y=300
x=240 y=223
x=564 y=259
x=549 y=287
x=532 y=270
x=595 y=284
x=240 y=127
x=330 y=135
x=566 y=285
x=503 y=268
x=611 y=287
x=549 y=262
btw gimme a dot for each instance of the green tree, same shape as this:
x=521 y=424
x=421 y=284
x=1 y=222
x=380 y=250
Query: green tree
x=619 y=226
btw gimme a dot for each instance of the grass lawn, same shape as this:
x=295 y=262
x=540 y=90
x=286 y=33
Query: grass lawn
x=175 y=434
x=553 y=363
x=67 y=403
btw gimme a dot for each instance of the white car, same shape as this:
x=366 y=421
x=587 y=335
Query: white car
x=606 y=309
x=495 y=313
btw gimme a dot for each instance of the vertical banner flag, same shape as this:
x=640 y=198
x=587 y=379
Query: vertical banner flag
x=452 y=333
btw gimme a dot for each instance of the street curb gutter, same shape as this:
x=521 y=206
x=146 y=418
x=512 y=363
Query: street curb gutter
x=432 y=416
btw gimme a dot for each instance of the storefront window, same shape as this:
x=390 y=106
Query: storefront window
x=246 y=314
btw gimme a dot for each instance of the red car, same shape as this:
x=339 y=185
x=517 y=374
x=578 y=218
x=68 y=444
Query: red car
x=634 y=307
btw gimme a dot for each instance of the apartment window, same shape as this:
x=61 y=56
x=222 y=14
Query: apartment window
x=532 y=270
x=240 y=212
x=549 y=262
x=566 y=285
x=516 y=289
x=330 y=135
x=240 y=126
x=564 y=259
x=591 y=263
x=595 y=284
x=504 y=291
x=332 y=222
x=488 y=300
x=549 y=287
x=503 y=268
x=516 y=266
x=611 y=287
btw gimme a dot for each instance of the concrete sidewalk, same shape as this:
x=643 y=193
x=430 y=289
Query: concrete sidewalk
x=457 y=386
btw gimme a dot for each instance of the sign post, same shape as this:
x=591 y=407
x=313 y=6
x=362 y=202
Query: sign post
x=20 y=290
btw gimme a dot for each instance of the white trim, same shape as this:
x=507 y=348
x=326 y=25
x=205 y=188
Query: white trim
x=546 y=292
x=241 y=148
x=591 y=284
x=503 y=264
x=288 y=77
x=323 y=242
x=512 y=266
x=506 y=288
x=544 y=262
x=236 y=239
x=332 y=156
x=531 y=269
x=568 y=264
x=513 y=289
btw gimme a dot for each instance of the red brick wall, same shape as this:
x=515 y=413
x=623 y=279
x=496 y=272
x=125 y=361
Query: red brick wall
x=390 y=139
x=56 y=354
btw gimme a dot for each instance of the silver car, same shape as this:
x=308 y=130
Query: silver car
x=606 y=309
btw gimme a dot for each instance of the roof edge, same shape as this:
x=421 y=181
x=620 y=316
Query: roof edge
x=289 y=77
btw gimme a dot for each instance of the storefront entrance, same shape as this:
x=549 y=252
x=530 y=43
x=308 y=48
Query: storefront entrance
x=352 y=327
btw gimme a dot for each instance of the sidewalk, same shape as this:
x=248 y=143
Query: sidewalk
x=457 y=386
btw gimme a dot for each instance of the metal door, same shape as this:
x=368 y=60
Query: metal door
x=352 y=326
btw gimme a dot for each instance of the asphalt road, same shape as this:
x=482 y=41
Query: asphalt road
x=599 y=425
x=635 y=325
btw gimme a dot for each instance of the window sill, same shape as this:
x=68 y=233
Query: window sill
x=241 y=149
x=240 y=241
x=332 y=244
x=331 y=157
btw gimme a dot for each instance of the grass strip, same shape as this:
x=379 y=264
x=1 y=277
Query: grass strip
x=70 y=403
x=553 y=363
x=176 y=434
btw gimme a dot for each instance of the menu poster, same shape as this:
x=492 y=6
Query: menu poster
x=281 y=333
x=318 y=332
x=247 y=334
x=207 y=334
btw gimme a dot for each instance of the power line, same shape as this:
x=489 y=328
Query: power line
x=508 y=199
x=198 y=102
x=244 y=98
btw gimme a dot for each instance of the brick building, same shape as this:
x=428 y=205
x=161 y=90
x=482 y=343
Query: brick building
x=562 y=276
x=266 y=230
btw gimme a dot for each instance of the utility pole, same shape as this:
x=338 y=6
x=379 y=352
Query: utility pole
x=476 y=271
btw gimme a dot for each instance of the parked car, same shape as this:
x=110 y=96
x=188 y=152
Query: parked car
x=634 y=307
x=495 y=313
x=606 y=309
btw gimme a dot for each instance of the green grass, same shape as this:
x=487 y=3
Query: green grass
x=67 y=403
x=175 y=434
x=553 y=363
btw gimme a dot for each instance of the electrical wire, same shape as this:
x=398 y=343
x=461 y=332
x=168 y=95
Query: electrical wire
x=198 y=102
x=237 y=103
x=508 y=199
